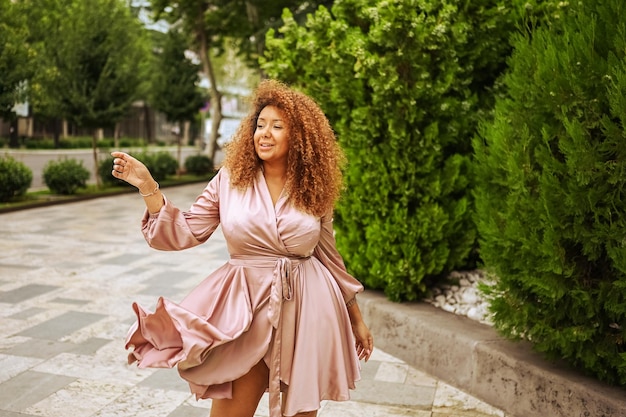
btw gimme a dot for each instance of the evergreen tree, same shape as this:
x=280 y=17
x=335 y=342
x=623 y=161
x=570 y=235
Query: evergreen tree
x=550 y=202
x=94 y=63
x=174 y=85
x=403 y=84
x=15 y=60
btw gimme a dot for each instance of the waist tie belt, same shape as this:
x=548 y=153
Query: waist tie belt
x=281 y=290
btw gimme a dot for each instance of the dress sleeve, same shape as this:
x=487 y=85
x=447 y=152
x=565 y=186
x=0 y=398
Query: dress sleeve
x=174 y=229
x=326 y=251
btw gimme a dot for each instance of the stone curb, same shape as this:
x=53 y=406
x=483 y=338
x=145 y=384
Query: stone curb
x=473 y=358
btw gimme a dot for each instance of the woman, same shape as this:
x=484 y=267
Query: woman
x=281 y=314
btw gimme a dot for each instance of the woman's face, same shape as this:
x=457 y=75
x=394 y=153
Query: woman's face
x=270 y=137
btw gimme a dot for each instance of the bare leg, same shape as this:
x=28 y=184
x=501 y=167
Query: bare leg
x=247 y=392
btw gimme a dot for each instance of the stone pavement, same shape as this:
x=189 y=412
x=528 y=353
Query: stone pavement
x=68 y=276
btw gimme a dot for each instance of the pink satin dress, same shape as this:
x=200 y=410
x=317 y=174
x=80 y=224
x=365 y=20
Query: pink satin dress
x=280 y=298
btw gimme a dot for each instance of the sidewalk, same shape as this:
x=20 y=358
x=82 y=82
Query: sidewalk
x=68 y=276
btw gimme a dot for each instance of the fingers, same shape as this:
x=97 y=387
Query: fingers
x=364 y=350
x=119 y=163
x=118 y=154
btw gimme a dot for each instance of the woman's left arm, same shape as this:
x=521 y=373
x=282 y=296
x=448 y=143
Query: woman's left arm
x=362 y=334
x=326 y=251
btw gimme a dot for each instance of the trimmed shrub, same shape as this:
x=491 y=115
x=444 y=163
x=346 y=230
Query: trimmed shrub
x=15 y=178
x=404 y=84
x=161 y=164
x=199 y=164
x=550 y=201
x=104 y=172
x=65 y=176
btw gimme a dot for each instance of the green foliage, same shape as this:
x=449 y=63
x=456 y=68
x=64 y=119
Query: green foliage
x=199 y=164
x=550 y=201
x=91 y=58
x=174 y=85
x=160 y=164
x=65 y=176
x=105 y=167
x=403 y=84
x=15 y=178
x=81 y=143
x=243 y=23
x=15 y=56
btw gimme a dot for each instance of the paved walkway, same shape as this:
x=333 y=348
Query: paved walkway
x=68 y=276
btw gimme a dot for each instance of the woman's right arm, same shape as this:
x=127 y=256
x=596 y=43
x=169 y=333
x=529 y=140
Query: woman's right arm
x=164 y=226
x=134 y=172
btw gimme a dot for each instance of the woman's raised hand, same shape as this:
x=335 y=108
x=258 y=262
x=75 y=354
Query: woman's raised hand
x=133 y=171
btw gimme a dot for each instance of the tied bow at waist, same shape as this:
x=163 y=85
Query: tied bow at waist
x=281 y=290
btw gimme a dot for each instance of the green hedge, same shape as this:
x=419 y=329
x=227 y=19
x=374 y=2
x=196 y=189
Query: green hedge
x=403 y=84
x=65 y=176
x=15 y=178
x=551 y=202
x=199 y=164
x=161 y=164
x=80 y=142
x=105 y=167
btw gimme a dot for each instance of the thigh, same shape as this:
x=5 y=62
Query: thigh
x=247 y=392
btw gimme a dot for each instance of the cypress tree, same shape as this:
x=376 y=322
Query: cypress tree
x=550 y=202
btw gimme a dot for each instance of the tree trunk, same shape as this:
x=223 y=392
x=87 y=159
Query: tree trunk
x=216 y=96
x=13 y=135
x=56 y=132
x=94 y=146
x=179 y=141
x=116 y=136
x=186 y=132
x=252 y=11
x=148 y=122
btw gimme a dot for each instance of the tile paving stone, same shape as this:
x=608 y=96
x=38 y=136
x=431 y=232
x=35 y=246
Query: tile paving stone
x=43 y=349
x=123 y=259
x=7 y=268
x=58 y=327
x=69 y=301
x=5 y=413
x=29 y=387
x=11 y=366
x=187 y=411
x=143 y=402
x=392 y=372
x=81 y=398
x=167 y=379
x=66 y=287
x=25 y=314
x=24 y=293
x=90 y=346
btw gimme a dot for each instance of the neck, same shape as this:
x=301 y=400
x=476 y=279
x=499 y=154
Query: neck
x=274 y=171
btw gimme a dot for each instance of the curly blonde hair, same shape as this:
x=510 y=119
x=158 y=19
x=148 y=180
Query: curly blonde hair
x=314 y=161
